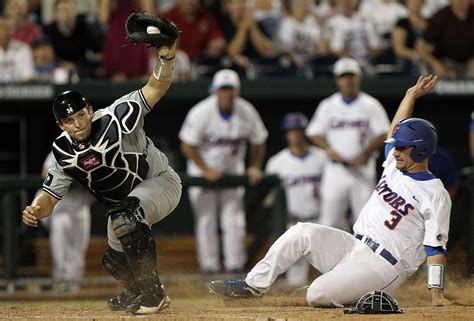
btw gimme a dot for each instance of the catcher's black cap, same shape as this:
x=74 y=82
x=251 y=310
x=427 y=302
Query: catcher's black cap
x=68 y=103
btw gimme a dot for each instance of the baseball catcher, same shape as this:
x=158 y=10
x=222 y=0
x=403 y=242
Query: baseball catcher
x=107 y=151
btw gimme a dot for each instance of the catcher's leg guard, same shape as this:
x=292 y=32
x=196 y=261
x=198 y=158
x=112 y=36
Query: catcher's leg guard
x=140 y=251
x=115 y=263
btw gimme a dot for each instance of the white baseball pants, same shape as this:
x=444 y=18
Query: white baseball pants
x=211 y=206
x=342 y=187
x=349 y=268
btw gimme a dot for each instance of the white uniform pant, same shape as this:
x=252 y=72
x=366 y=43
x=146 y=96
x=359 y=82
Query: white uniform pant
x=342 y=187
x=69 y=237
x=349 y=268
x=159 y=196
x=207 y=204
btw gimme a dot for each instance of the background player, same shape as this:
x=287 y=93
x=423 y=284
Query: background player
x=108 y=152
x=351 y=127
x=299 y=167
x=408 y=210
x=214 y=139
x=69 y=232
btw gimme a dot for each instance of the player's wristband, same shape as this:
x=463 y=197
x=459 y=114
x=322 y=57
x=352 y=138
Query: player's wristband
x=164 y=69
x=436 y=276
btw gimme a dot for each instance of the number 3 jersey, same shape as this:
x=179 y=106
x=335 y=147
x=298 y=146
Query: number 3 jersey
x=405 y=212
x=117 y=157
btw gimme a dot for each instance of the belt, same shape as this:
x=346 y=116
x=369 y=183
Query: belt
x=374 y=246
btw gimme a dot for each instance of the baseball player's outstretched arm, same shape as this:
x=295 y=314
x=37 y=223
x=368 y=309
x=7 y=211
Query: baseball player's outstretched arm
x=160 y=80
x=41 y=207
x=423 y=86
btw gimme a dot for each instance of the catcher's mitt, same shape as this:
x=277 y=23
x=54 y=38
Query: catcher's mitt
x=142 y=28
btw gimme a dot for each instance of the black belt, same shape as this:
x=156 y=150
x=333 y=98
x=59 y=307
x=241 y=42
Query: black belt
x=374 y=246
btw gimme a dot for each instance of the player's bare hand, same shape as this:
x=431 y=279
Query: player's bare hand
x=212 y=175
x=360 y=160
x=333 y=155
x=255 y=175
x=423 y=86
x=30 y=215
x=438 y=299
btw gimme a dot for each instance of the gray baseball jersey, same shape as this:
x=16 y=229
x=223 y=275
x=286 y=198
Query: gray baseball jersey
x=117 y=157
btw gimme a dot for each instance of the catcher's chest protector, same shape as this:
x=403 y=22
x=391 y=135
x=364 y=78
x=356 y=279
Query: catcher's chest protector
x=101 y=165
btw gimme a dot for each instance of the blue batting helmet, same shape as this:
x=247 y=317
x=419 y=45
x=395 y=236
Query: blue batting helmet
x=294 y=121
x=416 y=132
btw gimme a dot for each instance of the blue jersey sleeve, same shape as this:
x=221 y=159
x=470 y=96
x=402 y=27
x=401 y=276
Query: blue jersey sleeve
x=430 y=250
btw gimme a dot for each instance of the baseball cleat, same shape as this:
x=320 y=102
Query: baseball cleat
x=238 y=289
x=122 y=301
x=149 y=304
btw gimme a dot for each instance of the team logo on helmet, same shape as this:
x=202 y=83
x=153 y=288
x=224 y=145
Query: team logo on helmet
x=396 y=128
x=69 y=110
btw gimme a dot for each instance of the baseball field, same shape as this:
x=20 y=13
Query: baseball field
x=191 y=301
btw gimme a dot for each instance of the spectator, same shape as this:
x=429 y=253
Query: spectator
x=214 y=139
x=430 y=7
x=119 y=62
x=73 y=40
x=447 y=45
x=383 y=14
x=325 y=10
x=351 y=127
x=353 y=37
x=299 y=166
x=301 y=37
x=405 y=35
x=69 y=230
x=87 y=8
x=47 y=68
x=247 y=44
x=25 y=30
x=200 y=35
x=16 y=58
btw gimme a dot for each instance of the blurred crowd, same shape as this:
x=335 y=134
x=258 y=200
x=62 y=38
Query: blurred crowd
x=63 y=41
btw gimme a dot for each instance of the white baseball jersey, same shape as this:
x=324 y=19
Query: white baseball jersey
x=297 y=37
x=349 y=127
x=405 y=212
x=222 y=143
x=353 y=34
x=301 y=178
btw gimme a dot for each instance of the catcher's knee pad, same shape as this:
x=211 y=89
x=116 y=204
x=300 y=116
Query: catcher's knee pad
x=125 y=216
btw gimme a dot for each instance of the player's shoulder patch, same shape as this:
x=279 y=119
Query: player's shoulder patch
x=48 y=180
x=128 y=113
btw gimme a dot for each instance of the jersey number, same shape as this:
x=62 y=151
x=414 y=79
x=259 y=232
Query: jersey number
x=396 y=218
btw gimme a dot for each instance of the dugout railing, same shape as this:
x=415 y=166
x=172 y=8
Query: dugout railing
x=269 y=217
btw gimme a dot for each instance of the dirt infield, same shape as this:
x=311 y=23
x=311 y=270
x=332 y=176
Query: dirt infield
x=192 y=302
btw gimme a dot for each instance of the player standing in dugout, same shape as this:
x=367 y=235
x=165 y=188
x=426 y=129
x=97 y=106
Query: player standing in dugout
x=108 y=152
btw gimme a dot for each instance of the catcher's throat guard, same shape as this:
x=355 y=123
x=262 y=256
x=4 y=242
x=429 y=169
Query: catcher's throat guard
x=375 y=302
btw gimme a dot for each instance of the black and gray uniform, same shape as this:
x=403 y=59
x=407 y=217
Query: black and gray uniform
x=119 y=160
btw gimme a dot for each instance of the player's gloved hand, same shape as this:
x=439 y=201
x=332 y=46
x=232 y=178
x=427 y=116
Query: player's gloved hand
x=438 y=299
x=30 y=215
x=155 y=31
x=255 y=174
x=212 y=175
